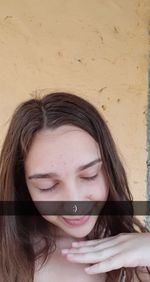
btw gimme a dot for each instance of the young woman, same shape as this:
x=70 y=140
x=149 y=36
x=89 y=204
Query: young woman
x=59 y=148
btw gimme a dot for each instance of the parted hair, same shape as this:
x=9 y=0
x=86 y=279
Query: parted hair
x=18 y=252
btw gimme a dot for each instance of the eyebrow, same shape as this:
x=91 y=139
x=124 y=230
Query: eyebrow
x=53 y=174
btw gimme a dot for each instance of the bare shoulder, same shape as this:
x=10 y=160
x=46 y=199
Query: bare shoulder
x=142 y=274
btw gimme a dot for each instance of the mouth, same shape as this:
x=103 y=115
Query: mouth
x=76 y=221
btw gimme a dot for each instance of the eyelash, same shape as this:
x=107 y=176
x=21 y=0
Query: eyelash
x=54 y=186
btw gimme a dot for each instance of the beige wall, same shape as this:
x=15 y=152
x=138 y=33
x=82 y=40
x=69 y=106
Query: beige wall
x=95 y=48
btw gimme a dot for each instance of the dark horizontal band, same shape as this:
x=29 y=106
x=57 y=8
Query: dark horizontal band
x=118 y=208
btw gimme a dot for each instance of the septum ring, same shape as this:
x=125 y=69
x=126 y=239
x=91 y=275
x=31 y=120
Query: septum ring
x=75 y=208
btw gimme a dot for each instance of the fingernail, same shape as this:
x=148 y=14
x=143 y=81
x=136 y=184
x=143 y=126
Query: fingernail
x=70 y=256
x=65 y=251
x=90 y=269
x=74 y=244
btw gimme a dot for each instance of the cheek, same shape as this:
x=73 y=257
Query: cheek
x=51 y=218
x=101 y=191
x=31 y=191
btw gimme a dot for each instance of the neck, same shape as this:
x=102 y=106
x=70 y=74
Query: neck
x=64 y=240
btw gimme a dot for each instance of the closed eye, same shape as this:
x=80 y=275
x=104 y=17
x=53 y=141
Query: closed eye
x=90 y=178
x=54 y=186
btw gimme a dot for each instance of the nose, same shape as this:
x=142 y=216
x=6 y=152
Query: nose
x=76 y=196
x=72 y=191
x=72 y=194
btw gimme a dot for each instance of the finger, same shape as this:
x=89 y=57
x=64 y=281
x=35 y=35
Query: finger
x=90 y=242
x=118 y=237
x=91 y=248
x=93 y=257
x=108 y=265
x=83 y=258
x=100 y=245
x=85 y=243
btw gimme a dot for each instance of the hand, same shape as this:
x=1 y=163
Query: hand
x=122 y=250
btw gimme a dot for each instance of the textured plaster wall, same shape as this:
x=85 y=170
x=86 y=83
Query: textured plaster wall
x=97 y=49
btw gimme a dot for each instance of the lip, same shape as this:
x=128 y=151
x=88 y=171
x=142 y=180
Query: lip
x=76 y=222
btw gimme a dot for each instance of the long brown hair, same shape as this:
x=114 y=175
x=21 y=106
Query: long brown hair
x=17 y=251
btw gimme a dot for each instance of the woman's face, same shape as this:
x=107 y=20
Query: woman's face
x=64 y=152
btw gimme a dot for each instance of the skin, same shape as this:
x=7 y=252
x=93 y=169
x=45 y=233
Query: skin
x=122 y=250
x=62 y=151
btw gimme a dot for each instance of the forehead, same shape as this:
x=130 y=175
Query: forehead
x=66 y=144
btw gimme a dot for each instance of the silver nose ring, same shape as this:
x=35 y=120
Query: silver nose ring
x=75 y=208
